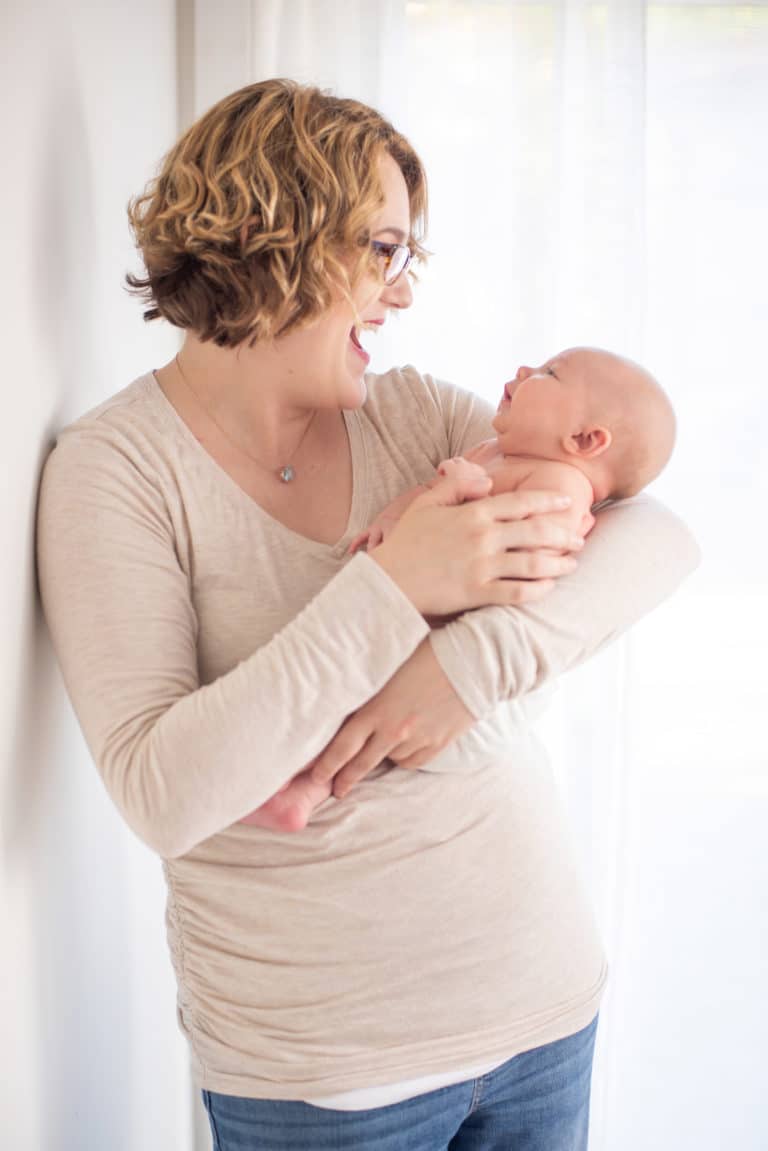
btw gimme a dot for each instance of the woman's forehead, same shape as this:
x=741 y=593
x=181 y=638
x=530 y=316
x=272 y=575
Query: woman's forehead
x=394 y=215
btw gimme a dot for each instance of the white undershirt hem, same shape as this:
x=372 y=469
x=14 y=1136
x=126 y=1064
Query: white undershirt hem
x=365 y=1098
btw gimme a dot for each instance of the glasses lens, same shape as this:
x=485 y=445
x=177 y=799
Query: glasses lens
x=397 y=263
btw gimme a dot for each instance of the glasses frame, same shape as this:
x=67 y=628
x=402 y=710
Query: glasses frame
x=399 y=255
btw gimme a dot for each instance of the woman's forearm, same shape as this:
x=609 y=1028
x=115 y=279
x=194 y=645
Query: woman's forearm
x=635 y=557
x=183 y=761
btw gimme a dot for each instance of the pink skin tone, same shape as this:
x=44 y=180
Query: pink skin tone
x=290 y=809
x=533 y=446
x=552 y=432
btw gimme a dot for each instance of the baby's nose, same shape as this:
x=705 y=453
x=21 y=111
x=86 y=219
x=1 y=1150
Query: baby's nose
x=523 y=372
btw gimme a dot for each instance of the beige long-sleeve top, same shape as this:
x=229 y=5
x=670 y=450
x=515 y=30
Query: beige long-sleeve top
x=431 y=920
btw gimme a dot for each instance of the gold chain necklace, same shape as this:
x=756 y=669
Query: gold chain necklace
x=287 y=472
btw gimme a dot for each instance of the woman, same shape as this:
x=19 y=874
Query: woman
x=419 y=966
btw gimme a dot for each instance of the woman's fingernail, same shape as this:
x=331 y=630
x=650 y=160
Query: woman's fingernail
x=576 y=542
x=562 y=501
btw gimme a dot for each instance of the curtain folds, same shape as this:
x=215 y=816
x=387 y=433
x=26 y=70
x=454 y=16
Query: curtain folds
x=596 y=178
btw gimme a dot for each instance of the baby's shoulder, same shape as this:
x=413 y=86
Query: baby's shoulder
x=510 y=473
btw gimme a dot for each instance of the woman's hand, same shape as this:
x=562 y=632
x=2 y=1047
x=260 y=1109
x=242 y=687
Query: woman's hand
x=502 y=549
x=414 y=716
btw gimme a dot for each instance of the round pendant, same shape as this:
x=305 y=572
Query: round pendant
x=286 y=474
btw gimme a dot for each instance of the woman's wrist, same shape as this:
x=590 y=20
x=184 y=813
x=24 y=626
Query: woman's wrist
x=402 y=574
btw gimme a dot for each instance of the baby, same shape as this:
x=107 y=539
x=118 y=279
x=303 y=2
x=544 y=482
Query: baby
x=587 y=423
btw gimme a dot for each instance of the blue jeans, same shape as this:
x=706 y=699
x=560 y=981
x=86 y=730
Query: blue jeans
x=537 y=1101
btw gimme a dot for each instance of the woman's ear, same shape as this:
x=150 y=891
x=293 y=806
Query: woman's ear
x=588 y=444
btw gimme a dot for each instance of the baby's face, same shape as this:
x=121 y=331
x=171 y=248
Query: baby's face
x=541 y=405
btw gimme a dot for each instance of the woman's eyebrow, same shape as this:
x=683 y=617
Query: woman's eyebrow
x=400 y=237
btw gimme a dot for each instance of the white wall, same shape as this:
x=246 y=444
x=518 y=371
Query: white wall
x=91 y=1058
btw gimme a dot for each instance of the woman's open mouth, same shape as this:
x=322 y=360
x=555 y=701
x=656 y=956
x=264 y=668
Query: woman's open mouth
x=358 y=346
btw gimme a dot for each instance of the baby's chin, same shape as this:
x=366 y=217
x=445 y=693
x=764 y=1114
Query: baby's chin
x=501 y=424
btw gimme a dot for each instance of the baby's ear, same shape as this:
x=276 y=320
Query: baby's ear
x=588 y=444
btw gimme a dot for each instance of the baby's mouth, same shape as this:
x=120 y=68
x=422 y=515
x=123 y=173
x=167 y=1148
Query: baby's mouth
x=506 y=398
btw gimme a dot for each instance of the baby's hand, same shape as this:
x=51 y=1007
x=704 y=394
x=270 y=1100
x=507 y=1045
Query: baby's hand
x=378 y=531
x=385 y=521
x=458 y=468
x=454 y=469
x=358 y=542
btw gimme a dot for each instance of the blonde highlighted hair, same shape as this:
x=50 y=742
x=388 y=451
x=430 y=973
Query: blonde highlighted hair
x=255 y=213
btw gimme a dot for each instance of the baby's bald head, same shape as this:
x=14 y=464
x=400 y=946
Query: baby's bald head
x=624 y=398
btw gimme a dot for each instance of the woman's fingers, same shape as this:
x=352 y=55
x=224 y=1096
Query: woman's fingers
x=514 y=577
x=446 y=558
x=527 y=565
x=346 y=768
x=408 y=753
x=515 y=592
x=374 y=752
x=540 y=533
x=404 y=746
x=527 y=520
x=535 y=547
x=524 y=503
x=346 y=744
x=414 y=715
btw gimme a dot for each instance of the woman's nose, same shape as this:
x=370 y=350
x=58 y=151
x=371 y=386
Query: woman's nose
x=399 y=294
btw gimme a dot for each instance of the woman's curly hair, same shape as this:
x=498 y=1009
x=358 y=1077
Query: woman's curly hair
x=249 y=226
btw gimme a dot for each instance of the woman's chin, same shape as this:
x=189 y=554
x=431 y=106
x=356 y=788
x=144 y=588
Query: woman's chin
x=361 y=393
x=356 y=391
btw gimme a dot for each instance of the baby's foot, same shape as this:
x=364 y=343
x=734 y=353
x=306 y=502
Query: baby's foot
x=290 y=808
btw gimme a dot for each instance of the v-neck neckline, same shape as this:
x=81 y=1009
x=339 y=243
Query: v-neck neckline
x=357 y=519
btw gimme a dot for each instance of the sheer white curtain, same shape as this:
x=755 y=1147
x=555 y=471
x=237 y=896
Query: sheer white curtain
x=597 y=177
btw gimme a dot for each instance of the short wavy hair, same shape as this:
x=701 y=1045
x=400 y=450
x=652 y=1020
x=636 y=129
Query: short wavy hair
x=249 y=225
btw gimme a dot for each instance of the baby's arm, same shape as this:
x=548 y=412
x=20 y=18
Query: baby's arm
x=379 y=529
x=550 y=475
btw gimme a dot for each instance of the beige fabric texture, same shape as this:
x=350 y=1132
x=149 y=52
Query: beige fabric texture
x=432 y=919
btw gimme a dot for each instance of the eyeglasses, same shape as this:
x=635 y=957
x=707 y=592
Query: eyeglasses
x=395 y=258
